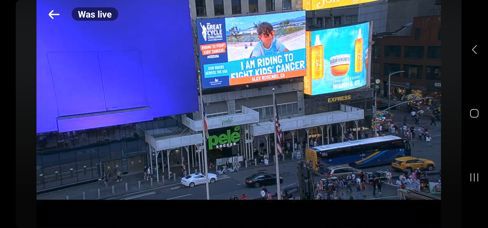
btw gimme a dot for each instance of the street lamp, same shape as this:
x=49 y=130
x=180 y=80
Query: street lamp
x=376 y=86
x=389 y=83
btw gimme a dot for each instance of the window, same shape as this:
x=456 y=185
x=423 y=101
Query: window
x=413 y=71
x=375 y=52
x=389 y=68
x=270 y=5
x=201 y=8
x=337 y=21
x=417 y=33
x=328 y=22
x=350 y=19
x=219 y=7
x=236 y=7
x=286 y=4
x=433 y=73
x=319 y=22
x=393 y=51
x=339 y=171
x=434 y=52
x=414 y=52
x=253 y=6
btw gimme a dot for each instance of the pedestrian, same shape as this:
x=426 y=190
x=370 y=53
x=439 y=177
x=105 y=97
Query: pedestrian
x=388 y=176
x=145 y=172
x=358 y=184
x=243 y=196
x=264 y=192
x=375 y=184
x=433 y=120
x=412 y=131
x=413 y=114
x=119 y=176
x=379 y=185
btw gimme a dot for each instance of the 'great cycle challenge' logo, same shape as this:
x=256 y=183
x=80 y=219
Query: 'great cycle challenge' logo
x=211 y=32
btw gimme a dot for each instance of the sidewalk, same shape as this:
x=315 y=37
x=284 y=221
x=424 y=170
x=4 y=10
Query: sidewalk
x=101 y=190
x=132 y=183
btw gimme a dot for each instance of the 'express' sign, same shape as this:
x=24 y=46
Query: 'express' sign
x=339 y=99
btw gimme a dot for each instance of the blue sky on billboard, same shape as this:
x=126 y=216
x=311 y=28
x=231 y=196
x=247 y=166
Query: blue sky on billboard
x=245 y=23
x=96 y=72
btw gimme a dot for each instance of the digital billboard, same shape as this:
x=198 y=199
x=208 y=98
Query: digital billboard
x=251 y=49
x=104 y=63
x=328 y=4
x=337 y=59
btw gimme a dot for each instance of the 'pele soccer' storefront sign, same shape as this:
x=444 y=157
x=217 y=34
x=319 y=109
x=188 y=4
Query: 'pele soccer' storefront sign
x=227 y=138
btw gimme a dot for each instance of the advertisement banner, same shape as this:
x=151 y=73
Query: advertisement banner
x=338 y=59
x=328 y=4
x=251 y=49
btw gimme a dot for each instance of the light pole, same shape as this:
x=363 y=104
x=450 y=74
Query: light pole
x=376 y=86
x=389 y=83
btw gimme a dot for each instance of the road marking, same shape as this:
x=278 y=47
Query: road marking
x=140 y=192
x=386 y=197
x=289 y=185
x=179 y=197
x=174 y=188
x=139 y=196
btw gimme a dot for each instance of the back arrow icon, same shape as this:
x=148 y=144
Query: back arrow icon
x=51 y=14
x=474 y=50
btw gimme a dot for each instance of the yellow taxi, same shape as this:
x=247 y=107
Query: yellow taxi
x=412 y=163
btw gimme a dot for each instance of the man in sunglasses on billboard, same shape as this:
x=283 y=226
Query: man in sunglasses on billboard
x=268 y=44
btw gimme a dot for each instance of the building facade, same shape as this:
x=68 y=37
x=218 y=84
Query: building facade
x=293 y=106
x=418 y=54
x=241 y=117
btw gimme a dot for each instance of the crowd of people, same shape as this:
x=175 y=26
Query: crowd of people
x=352 y=185
x=412 y=127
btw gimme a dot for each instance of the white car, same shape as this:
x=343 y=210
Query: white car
x=197 y=178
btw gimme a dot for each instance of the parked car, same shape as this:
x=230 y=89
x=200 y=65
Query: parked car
x=197 y=178
x=261 y=178
x=412 y=163
x=340 y=171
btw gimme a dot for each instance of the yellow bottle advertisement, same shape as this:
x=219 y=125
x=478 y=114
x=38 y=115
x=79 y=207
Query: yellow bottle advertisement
x=337 y=58
x=358 y=53
x=307 y=80
x=317 y=58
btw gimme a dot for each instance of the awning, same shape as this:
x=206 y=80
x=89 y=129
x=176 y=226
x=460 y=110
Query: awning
x=171 y=138
x=247 y=116
x=346 y=114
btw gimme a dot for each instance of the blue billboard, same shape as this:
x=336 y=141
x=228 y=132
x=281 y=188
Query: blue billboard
x=112 y=62
x=338 y=59
x=251 y=49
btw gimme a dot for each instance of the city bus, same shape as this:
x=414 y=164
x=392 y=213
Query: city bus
x=358 y=153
